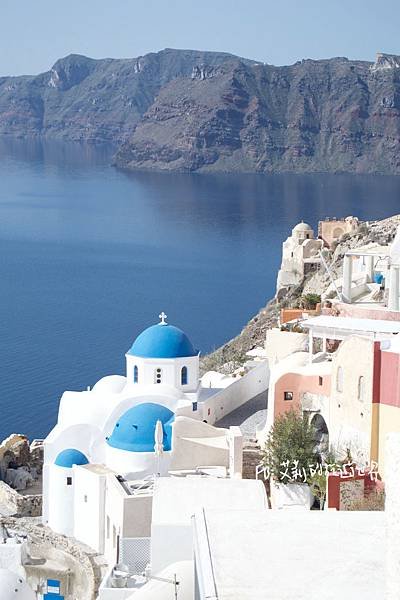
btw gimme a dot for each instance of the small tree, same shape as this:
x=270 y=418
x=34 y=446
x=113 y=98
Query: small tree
x=291 y=441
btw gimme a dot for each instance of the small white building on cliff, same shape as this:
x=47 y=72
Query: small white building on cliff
x=300 y=255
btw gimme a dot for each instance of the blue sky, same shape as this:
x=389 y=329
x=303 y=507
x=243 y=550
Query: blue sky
x=35 y=33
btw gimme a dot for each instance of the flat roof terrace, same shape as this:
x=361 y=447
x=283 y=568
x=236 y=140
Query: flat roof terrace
x=259 y=555
x=339 y=328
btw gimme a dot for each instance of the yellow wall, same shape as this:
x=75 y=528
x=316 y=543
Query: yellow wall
x=351 y=418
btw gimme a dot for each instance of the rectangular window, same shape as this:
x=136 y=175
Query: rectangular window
x=288 y=395
x=85 y=498
x=194 y=406
x=69 y=480
x=320 y=380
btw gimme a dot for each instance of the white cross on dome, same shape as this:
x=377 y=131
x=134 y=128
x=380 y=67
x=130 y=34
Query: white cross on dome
x=163 y=318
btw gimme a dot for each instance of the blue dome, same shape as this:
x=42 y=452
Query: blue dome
x=162 y=341
x=68 y=458
x=135 y=429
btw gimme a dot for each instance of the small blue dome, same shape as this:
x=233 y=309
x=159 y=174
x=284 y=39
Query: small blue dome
x=162 y=341
x=68 y=458
x=135 y=429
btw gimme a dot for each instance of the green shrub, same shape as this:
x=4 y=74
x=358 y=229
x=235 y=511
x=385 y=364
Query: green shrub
x=309 y=301
x=291 y=441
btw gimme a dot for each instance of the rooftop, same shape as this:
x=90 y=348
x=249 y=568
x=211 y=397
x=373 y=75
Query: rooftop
x=254 y=554
x=340 y=327
x=176 y=498
x=370 y=250
x=97 y=469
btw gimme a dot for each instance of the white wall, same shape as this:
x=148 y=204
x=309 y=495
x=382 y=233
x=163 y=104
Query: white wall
x=139 y=464
x=89 y=507
x=171 y=371
x=189 y=453
x=245 y=388
x=235 y=442
x=114 y=516
x=170 y=543
x=79 y=436
x=279 y=344
x=45 y=493
x=61 y=506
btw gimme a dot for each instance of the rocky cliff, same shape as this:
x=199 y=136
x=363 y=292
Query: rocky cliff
x=206 y=111
x=95 y=100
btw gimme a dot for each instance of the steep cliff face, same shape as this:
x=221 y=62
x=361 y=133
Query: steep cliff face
x=94 y=100
x=205 y=111
x=331 y=115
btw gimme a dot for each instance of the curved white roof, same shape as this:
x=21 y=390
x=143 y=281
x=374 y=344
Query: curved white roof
x=302 y=227
x=14 y=587
x=111 y=384
x=151 y=391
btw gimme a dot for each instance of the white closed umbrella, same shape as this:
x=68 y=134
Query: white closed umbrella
x=158 y=445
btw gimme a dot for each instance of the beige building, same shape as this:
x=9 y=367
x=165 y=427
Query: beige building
x=350 y=419
x=331 y=230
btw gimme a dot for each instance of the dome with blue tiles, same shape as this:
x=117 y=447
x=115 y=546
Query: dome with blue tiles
x=70 y=457
x=162 y=341
x=135 y=430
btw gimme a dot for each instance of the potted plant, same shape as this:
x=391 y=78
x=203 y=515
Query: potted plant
x=289 y=451
x=309 y=301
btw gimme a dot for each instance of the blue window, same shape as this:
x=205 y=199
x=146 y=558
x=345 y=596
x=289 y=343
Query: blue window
x=135 y=374
x=194 y=406
x=184 y=376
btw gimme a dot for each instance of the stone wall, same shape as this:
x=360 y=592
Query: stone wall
x=16 y=504
x=85 y=566
x=251 y=458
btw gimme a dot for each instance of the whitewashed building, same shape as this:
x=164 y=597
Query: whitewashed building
x=156 y=418
x=300 y=255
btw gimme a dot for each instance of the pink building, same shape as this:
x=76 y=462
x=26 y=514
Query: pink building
x=353 y=394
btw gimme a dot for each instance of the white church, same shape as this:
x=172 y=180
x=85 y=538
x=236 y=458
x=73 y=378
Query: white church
x=300 y=255
x=155 y=419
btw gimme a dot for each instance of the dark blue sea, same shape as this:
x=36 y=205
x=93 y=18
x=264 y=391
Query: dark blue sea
x=89 y=256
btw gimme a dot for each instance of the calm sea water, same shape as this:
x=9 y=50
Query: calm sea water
x=89 y=256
